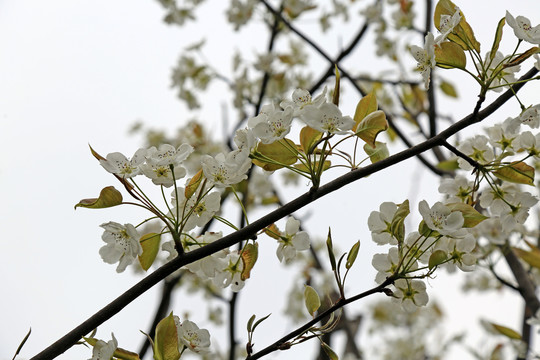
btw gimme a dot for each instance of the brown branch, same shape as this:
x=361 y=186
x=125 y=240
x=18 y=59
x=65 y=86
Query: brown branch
x=71 y=338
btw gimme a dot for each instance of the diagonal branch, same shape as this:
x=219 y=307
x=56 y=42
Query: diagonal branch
x=71 y=338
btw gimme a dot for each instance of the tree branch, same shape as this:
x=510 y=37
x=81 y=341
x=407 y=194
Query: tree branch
x=71 y=338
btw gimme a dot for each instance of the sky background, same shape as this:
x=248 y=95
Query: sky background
x=74 y=73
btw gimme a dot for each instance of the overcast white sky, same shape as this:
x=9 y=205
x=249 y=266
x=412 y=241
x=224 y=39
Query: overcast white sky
x=74 y=73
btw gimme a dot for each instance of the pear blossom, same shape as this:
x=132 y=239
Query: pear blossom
x=418 y=246
x=502 y=75
x=529 y=142
x=271 y=124
x=123 y=244
x=191 y=337
x=459 y=250
x=458 y=189
x=531 y=116
x=194 y=211
x=104 y=350
x=117 y=163
x=447 y=25
x=292 y=241
x=441 y=219
x=163 y=174
x=518 y=212
x=386 y=264
x=476 y=148
x=411 y=294
x=373 y=13
x=225 y=170
x=523 y=29
x=379 y=224
x=231 y=274
x=300 y=99
x=168 y=155
x=425 y=57
x=327 y=118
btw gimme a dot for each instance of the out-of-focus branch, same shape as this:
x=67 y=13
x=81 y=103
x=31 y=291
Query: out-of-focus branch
x=249 y=231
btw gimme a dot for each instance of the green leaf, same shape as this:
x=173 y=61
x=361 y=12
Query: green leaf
x=377 y=153
x=193 y=184
x=436 y=258
x=448 y=165
x=366 y=106
x=125 y=355
x=260 y=321
x=330 y=248
x=448 y=89
x=250 y=323
x=516 y=172
x=312 y=300
x=509 y=333
x=530 y=257
x=249 y=257
x=371 y=126
x=497 y=39
x=450 y=55
x=328 y=350
x=108 y=197
x=353 y=253
x=150 y=245
x=314 y=165
x=335 y=97
x=397 y=226
x=280 y=153
x=166 y=340
x=470 y=215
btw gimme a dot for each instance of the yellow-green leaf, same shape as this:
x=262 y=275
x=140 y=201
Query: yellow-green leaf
x=448 y=165
x=329 y=351
x=275 y=155
x=366 y=106
x=436 y=258
x=330 y=248
x=108 y=197
x=166 y=340
x=516 y=172
x=353 y=253
x=450 y=55
x=506 y=331
x=497 y=39
x=463 y=34
x=448 y=89
x=150 y=245
x=308 y=137
x=249 y=258
x=524 y=56
x=313 y=302
x=95 y=154
x=125 y=355
x=397 y=226
x=193 y=184
x=377 y=153
x=335 y=97
x=371 y=126
x=273 y=231
x=470 y=215
x=530 y=257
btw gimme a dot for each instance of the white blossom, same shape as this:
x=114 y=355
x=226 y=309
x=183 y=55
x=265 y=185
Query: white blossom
x=300 y=99
x=441 y=219
x=191 y=337
x=292 y=241
x=379 y=224
x=447 y=24
x=225 y=170
x=123 y=244
x=271 y=124
x=411 y=294
x=523 y=29
x=425 y=57
x=104 y=350
x=327 y=118
x=117 y=163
